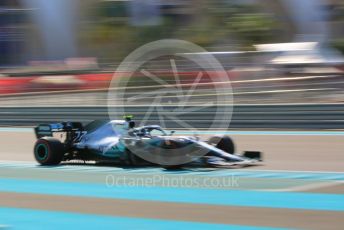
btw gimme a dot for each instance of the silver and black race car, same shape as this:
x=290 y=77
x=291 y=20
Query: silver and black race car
x=120 y=142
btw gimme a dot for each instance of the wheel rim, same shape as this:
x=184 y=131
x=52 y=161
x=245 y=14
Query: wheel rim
x=41 y=152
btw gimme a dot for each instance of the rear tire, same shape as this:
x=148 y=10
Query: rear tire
x=135 y=160
x=172 y=167
x=224 y=143
x=49 y=151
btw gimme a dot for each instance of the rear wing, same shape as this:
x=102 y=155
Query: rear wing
x=47 y=130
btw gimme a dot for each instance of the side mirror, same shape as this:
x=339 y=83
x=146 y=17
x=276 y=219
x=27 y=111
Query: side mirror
x=172 y=132
x=131 y=124
x=196 y=136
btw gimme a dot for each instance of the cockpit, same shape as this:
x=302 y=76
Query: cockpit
x=148 y=131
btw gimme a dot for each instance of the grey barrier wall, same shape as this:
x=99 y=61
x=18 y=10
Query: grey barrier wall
x=277 y=116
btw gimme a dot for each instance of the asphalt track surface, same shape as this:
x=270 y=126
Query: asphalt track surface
x=299 y=186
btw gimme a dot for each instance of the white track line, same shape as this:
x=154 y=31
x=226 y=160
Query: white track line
x=33 y=163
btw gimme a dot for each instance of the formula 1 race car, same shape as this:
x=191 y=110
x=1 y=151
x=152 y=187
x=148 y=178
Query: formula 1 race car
x=120 y=142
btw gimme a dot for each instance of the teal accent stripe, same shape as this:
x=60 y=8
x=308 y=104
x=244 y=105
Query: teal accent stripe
x=20 y=130
x=293 y=200
x=29 y=219
x=213 y=132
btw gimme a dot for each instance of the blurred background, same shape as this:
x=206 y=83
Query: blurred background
x=64 y=52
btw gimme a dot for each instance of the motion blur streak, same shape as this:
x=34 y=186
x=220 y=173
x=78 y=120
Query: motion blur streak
x=285 y=65
x=56 y=22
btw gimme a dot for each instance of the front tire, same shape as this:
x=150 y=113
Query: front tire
x=224 y=143
x=49 y=151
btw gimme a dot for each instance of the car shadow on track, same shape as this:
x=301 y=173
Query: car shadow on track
x=183 y=169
